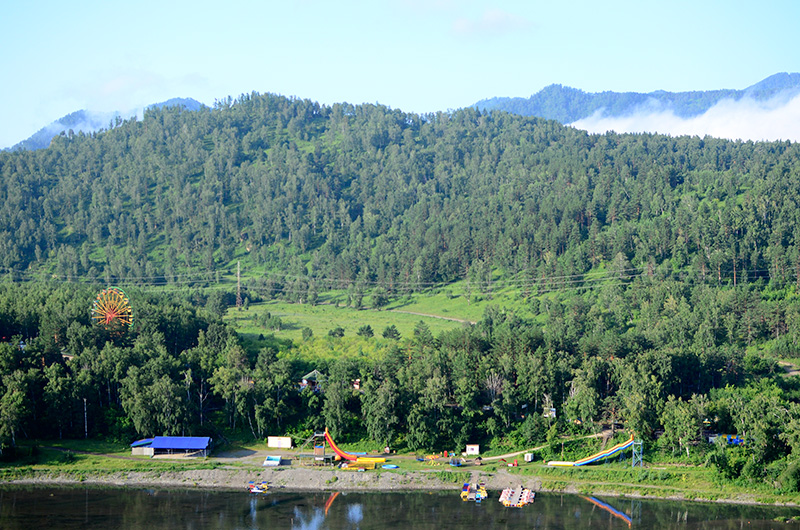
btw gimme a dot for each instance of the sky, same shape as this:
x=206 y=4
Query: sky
x=414 y=55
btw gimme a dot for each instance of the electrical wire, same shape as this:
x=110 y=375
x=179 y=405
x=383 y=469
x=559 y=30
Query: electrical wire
x=214 y=281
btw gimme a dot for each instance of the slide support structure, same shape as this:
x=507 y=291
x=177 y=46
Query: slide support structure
x=638 y=452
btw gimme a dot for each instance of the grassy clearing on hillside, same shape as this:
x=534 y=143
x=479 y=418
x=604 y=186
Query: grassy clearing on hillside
x=456 y=301
x=323 y=318
x=441 y=309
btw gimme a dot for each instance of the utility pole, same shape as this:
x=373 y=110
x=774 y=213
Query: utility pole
x=238 y=285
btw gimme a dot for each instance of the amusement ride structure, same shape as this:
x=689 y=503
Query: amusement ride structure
x=112 y=310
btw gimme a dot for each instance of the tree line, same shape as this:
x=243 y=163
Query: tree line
x=670 y=375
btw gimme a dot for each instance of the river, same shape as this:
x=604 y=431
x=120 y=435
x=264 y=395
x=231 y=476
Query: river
x=44 y=508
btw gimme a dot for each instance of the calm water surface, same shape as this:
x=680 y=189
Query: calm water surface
x=90 y=508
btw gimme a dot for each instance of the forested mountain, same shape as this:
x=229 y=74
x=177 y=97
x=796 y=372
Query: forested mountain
x=568 y=105
x=348 y=194
x=88 y=122
x=660 y=278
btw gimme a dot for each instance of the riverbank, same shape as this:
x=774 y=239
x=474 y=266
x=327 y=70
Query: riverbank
x=233 y=469
x=333 y=479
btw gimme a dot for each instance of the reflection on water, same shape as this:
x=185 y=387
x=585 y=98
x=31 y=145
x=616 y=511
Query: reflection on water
x=306 y=521
x=355 y=513
x=613 y=511
x=88 y=508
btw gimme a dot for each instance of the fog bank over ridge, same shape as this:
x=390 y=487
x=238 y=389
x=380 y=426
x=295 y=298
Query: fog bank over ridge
x=774 y=119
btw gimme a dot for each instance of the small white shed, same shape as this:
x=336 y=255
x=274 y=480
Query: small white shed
x=279 y=442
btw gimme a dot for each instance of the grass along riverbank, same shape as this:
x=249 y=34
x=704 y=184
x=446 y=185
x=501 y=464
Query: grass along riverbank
x=655 y=481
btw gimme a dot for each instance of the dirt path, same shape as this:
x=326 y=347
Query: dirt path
x=453 y=319
x=790 y=368
x=429 y=315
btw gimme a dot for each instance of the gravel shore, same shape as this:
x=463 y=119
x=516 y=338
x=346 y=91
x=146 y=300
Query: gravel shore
x=235 y=470
x=290 y=478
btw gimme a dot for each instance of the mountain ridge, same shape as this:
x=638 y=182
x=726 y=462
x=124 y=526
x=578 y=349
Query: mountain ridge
x=558 y=102
x=87 y=121
x=567 y=105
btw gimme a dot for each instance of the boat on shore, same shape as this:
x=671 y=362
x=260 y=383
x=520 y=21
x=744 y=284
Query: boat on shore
x=517 y=497
x=474 y=492
x=257 y=487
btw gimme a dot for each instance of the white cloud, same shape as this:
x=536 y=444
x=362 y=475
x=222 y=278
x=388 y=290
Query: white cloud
x=745 y=119
x=493 y=21
x=131 y=90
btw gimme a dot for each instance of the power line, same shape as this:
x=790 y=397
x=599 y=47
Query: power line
x=210 y=280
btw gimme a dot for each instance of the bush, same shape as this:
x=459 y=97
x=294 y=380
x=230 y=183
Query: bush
x=752 y=469
x=729 y=462
x=380 y=298
x=789 y=479
x=365 y=331
x=648 y=475
x=757 y=365
x=391 y=333
x=458 y=477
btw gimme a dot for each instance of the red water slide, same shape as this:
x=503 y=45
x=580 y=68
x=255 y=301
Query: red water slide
x=346 y=456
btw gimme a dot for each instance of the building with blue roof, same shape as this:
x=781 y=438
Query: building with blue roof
x=142 y=447
x=198 y=446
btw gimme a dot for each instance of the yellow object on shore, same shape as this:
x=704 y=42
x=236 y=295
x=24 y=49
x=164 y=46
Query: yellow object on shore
x=369 y=459
x=357 y=466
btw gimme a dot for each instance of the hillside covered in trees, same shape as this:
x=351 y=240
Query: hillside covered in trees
x=659 y=276
x=89 y=122
x=365 y=194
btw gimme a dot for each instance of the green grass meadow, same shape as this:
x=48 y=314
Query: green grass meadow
x=325 y=317
x=440 y=309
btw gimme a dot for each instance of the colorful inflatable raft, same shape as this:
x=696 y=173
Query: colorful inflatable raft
x=517 y=498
